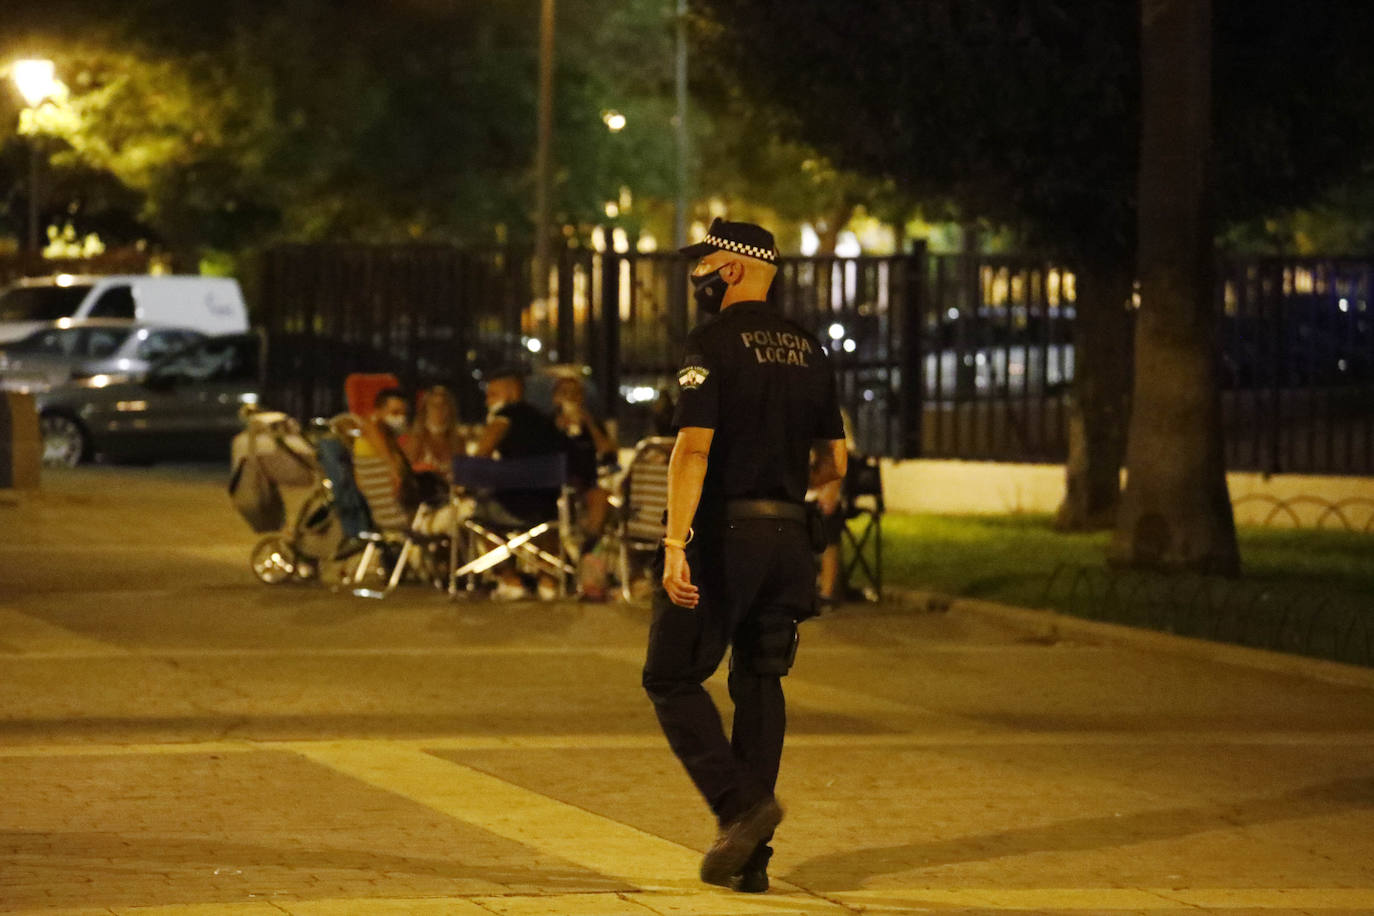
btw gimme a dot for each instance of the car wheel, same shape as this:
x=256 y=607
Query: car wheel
x=64 y=441
x=273 y=560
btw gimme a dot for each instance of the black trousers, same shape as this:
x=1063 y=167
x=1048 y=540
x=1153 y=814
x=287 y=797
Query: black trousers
x=757 y=579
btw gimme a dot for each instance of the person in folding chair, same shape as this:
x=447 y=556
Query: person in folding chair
x=380 y=464
x=397 y=502
x=517 y=429
x=757 y=398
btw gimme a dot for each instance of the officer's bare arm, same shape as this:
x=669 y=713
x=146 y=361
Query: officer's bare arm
x=830 y=460
x=686 y=471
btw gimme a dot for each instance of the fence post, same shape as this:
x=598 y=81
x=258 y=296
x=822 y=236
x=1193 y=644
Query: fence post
x=610 y=335
x=1274 y=301
x=567 y=331
x=911 y=395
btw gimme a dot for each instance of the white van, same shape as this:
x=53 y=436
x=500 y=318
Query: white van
x=211 y=305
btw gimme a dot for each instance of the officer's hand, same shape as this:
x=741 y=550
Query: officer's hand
x=677 y=578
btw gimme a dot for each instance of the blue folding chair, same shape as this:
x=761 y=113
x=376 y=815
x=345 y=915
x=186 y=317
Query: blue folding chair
x=516 y=500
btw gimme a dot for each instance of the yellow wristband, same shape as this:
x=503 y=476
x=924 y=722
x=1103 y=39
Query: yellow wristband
x=679 y=544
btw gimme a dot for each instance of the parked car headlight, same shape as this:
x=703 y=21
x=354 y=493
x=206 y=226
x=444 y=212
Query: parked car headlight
x=24 y=385
x=101 y=380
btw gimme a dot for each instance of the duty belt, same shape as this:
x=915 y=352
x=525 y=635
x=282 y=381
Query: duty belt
x=736 y=509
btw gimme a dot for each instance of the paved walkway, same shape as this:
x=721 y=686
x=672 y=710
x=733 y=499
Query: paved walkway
x=175 y=738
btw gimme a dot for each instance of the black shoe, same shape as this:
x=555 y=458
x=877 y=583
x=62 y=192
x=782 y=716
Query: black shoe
x=737 y=841
x=753 y=878
x=752 y=881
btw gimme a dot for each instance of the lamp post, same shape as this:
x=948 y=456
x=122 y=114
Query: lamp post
x=543 y=167
x=680 y=126
x=35 y=80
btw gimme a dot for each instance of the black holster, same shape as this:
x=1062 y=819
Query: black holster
x=815 y=528
x=767 y=647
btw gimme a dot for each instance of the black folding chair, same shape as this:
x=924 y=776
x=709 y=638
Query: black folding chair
x=490 y=534
x=861 y=538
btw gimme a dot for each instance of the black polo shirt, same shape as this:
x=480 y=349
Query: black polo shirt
x=532 y=432
x=768 y=390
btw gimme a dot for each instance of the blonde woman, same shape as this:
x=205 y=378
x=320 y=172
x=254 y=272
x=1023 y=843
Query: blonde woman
x=434 y=437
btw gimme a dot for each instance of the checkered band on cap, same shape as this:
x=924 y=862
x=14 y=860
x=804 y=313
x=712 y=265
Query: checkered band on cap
x=753 y=251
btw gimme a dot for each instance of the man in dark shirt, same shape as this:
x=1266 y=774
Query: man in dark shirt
x=518 y=429
x=757 y=399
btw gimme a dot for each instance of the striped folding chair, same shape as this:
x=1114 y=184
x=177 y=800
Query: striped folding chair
x=643 y=501
x=393 y=528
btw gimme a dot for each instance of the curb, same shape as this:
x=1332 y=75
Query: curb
x=1050 y=624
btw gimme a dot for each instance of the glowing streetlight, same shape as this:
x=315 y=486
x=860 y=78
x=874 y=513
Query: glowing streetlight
x=36 y=81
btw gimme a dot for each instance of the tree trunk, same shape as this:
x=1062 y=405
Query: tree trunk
x=1100 y=406
x=1176 y=513
x=828 y=232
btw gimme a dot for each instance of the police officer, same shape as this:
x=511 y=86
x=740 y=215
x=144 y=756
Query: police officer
x=757 y=399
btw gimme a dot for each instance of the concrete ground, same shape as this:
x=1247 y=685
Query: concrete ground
x=177 y=738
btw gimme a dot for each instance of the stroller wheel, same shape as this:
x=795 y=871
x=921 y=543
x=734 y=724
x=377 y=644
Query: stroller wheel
x=273 y=560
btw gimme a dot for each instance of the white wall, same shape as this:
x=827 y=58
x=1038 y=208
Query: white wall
x=991 y=488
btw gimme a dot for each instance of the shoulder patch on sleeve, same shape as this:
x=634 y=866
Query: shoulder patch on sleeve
x=692 y=376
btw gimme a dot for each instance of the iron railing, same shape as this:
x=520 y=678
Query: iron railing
x=941 y=356
x=1242 y=612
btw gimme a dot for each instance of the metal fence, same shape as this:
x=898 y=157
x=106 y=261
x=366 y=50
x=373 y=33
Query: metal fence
x=1332 y=626
x=937 y=355
x=1298 y=365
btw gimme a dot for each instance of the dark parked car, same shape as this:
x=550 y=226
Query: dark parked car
x=186 y=405
x=83 y=347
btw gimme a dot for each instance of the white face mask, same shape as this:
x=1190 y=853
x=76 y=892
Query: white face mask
x=397 y=424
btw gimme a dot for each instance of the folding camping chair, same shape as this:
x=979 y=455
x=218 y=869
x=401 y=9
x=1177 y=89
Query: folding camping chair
x=643 y=497
x=490 y=535
x=861 y=550
x=392 y=528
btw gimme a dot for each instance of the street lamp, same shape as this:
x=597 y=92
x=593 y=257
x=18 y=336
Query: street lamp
x=543 y=165
x=36 y=81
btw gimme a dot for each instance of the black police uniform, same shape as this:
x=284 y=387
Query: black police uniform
x=767 y=389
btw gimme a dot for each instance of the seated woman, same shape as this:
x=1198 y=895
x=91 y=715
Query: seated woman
x=590 y=446
x=430 y=446
x=434 y=437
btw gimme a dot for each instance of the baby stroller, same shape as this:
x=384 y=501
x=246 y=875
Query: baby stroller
x=269 y=454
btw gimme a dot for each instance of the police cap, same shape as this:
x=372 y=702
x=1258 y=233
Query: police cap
x=742 y=238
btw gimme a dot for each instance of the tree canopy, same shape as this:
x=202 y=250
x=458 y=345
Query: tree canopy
x=343 y=120
x=223 y=125
x=1028 y=113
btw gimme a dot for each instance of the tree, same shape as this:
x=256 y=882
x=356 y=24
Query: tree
x=1176 y=513
x=987 y=109
x=1027 y=115
x=383 y=121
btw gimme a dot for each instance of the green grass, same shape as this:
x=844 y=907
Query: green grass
x=1010 y=558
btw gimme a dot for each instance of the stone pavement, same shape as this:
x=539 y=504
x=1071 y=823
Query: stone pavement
x=175 y=738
